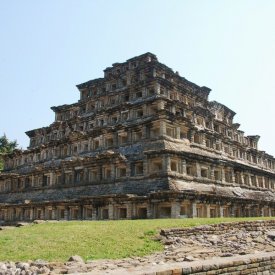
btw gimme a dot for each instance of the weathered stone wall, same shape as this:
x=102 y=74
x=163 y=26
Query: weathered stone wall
x=219 y=229
x=263 y=263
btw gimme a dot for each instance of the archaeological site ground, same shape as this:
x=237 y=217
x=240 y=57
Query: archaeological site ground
x=155 y=247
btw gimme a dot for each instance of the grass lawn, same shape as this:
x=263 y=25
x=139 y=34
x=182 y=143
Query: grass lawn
x=90 y=239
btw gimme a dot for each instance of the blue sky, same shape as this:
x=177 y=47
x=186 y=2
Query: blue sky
x=47 y=47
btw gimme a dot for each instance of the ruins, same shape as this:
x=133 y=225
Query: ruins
x=142 y=142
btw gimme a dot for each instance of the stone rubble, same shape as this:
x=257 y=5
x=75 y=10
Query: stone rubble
x=179 y=246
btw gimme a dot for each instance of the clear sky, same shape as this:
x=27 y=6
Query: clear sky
x=47 y=47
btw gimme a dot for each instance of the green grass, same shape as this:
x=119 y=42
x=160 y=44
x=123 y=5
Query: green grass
x=90 y=239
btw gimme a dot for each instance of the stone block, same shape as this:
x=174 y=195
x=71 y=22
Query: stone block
x=212 y=272
x=177 y=271
x=238 y=263
x=206 y=267
x=186 y=270
x=197 y=268
x=246 y=271
x=232 y=268
x=253 y=265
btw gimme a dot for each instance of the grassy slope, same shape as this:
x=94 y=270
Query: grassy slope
x=89 y=239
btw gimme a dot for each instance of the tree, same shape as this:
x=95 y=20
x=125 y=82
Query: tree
x=6 y=147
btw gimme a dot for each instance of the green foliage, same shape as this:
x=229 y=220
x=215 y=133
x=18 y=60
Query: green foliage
x=6 y=147
x=90 y=239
